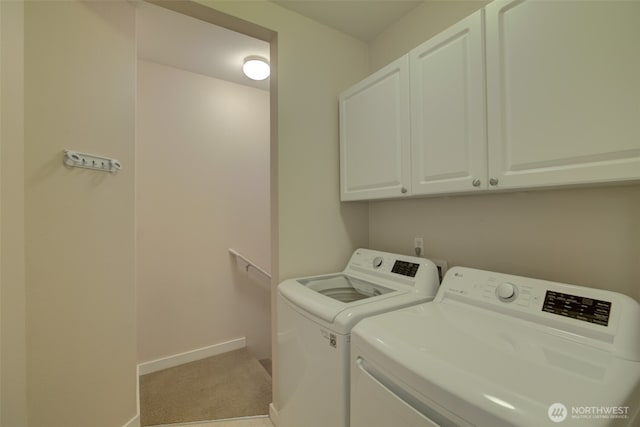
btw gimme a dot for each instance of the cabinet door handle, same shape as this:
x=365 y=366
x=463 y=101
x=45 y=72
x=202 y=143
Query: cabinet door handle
x=493 y=181
x=476 y=182
x=403 y=190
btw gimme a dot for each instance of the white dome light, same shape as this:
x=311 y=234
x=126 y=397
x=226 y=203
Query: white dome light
x=256 y=68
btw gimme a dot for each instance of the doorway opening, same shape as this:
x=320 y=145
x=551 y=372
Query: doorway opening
x=204 y=137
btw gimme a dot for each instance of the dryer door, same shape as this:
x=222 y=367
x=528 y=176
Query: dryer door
x=379 y=401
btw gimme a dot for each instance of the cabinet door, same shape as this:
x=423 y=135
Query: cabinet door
x=374 y=135
x=563 y=85
x=448 y=110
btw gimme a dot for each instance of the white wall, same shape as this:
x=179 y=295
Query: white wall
x=13 y=395
x=588 y=237
x=79 y=240
x=419 y=25
x=79 y=94
x=202 y=187
x=315 y=63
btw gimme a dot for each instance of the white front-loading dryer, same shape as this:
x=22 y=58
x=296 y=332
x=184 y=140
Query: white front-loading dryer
x=315 y=317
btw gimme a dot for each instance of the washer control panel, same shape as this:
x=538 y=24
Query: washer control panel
x=419 y=273
x=405 y=268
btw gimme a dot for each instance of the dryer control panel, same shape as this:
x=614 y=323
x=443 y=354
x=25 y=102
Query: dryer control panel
x=596 y=315
x=577 y=307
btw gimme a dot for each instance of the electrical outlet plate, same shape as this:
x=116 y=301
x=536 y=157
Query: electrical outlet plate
x=418 y=243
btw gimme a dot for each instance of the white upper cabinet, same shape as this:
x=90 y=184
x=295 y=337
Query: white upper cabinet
x=522 y=94
x=448 y=110
x=563 y=88
x=374 y=135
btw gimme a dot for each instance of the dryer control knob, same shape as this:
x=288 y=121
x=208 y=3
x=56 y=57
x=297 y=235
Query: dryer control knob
x=377 y=262
x=506 y=291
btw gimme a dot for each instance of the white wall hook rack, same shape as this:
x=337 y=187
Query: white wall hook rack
x=91 y=161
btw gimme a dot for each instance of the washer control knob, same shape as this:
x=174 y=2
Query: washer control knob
x=377 y=262
x=506 y=291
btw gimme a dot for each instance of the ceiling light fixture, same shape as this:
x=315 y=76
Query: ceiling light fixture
x=256 y=68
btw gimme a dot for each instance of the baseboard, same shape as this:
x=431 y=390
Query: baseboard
x=133 y=422
x=273 y=414
x=190 y=356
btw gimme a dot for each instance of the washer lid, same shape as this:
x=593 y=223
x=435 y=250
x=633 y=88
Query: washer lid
x=327 y=296
x=492 y=370
x=344 y=288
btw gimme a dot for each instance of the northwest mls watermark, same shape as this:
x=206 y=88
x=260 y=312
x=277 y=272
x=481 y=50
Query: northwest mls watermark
x=558 y=412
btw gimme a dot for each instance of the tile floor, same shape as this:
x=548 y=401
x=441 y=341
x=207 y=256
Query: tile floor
x=239 y=422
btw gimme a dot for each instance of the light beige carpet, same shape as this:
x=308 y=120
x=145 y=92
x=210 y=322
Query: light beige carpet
x=229 y=385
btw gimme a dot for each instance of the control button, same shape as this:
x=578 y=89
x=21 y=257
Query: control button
x=489 y=291
x=506 y=292
x=377 y=262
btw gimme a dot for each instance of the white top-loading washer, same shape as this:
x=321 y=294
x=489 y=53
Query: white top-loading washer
x=496 y=350
x=315 y=317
